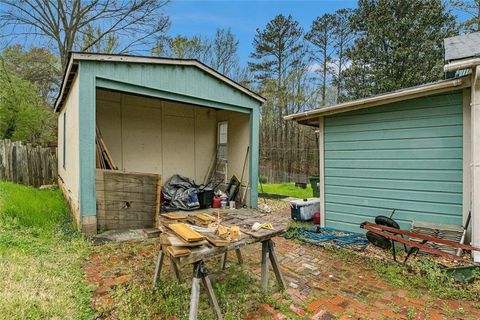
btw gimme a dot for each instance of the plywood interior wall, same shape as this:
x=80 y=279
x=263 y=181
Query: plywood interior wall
x=155 y=136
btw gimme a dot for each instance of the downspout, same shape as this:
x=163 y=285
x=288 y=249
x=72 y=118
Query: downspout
x=475 y=167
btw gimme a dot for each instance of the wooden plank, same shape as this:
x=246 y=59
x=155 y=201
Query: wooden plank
x=128 y=174
x=211 y=296
x=264 y=266
x=125 y=204
x=173 y=240
x=108 y=185
x=186 y=232
x=275 y=265
x=126 y=196
x=205 y=217
x=174 y=216
x=158 y=199
x=158 y=267
x=177 y=251
x=24 y=163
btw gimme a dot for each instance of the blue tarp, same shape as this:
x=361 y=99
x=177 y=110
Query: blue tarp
x=326 y=235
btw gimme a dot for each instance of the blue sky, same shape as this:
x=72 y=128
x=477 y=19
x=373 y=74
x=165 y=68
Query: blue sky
x=199 y=17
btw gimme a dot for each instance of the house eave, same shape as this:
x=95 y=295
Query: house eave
x=461 y=64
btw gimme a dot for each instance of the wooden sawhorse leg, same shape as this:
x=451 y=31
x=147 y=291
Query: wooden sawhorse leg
x=268 y=251
x=200 y=274
x=159 y=266
x=223 y=261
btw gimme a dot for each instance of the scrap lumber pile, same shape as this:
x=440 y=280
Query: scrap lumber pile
x=187 y=233
x=103 y=158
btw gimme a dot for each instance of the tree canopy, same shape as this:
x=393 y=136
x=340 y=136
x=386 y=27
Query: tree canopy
x=399 y=43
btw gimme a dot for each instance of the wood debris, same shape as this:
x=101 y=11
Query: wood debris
x=173 y=240
x=205 y=217
x=104 y=159
x=174 y=216
x=178 y=251
x=185 y=232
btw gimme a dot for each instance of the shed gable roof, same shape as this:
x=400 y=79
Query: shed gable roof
x=76 y=57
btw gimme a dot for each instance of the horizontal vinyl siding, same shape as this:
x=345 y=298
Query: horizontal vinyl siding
x=405 y=156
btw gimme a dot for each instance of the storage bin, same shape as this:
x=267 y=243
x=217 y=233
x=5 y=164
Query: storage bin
x=315 y=183
x=205 y=198
x=304 y=209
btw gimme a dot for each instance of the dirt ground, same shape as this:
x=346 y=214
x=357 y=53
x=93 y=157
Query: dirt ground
x=321 y=284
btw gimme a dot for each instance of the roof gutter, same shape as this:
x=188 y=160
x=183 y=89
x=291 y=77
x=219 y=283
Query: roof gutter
x=462 y=64
x=373 y=101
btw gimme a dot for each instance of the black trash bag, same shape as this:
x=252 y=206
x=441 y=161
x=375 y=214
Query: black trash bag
x=181 y=193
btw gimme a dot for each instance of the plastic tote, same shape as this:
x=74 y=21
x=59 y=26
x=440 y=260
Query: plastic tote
x=304 y=209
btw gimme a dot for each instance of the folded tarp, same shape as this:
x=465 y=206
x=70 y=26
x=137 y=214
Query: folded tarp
x=181 y=193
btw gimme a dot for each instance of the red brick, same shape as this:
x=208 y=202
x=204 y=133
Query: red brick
x=268 y=308
x=298 y=311
x=434 y=315
x=314 y=305
x=337 y=300
x=318 y=315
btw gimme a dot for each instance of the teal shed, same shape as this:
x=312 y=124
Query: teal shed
x=158 y=117
x=415 y=150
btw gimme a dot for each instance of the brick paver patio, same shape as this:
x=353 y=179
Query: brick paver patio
x=320 y=285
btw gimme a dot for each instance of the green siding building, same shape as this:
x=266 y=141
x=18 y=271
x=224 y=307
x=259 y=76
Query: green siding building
x=415 y=150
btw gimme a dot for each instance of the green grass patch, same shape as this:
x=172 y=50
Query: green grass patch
x=424 y=273
x=237 y=292
x=41 y=257
x=287 y=189
x=31 y=207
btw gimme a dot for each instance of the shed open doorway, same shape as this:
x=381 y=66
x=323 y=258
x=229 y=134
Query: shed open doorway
x=148 y=136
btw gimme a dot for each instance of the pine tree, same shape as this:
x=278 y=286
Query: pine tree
x=399 y=44
x=321 y=38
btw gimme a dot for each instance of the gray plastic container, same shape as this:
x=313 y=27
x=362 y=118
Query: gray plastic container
x=304 y=209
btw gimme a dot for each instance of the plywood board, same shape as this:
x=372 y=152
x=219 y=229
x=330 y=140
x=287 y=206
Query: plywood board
x=173 y=240
x=178 y=251
x=178 y=146
x=142 y=138
x=185 y=232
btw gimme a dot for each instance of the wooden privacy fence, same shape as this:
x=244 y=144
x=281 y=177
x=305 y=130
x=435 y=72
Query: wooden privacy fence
x=26 y=164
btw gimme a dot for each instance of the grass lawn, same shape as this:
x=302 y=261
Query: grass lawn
x=287 y=189
x=40 y=257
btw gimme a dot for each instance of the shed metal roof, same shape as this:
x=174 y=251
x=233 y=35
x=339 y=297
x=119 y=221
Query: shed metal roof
x=75 y=57
x=463 y=46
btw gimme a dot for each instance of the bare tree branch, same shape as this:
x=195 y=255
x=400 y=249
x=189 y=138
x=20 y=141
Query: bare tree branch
x=62 y=21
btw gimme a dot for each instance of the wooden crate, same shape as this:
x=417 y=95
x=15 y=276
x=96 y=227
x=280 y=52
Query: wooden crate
x=127 y=200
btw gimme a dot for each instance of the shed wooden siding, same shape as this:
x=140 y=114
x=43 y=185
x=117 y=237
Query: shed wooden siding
x=406 y=156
